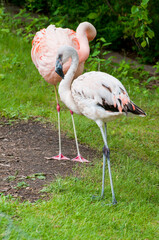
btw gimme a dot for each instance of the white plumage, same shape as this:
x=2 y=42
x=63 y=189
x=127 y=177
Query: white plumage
x=92 y=92
x=96 y=95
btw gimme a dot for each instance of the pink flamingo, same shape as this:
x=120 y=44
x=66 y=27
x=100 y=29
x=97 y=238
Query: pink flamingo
x=44 y=50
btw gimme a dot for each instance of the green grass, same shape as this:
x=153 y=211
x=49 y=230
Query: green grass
x=71 y=213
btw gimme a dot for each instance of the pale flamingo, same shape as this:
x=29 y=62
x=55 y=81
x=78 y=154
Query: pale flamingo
x=96 y=95
x=44 y=50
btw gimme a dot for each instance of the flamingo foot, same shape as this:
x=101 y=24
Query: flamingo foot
x=80 y=159
x=58 y=157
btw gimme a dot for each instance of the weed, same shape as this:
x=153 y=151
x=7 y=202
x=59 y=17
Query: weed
x=156 y=66
x=11 y=178
x=22 y=184
x=41 y=176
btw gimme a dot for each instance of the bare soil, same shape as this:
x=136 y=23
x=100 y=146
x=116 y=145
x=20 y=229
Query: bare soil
x=23 y=148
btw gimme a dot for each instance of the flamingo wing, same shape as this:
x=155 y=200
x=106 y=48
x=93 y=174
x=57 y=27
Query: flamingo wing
x=99 y=89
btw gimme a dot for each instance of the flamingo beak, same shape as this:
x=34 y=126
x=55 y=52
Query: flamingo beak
x=58 y=68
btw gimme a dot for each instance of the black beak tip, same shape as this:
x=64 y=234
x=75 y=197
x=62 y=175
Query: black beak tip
x=58 y=69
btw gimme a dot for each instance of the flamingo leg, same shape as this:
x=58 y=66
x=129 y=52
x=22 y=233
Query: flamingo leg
x=79 y=158
x=60 y=156
x=106 y=154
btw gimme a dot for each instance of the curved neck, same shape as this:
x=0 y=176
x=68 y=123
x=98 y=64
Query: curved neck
x=85 y=32
x=65 y=85
x=68 y=78
x=84 y=47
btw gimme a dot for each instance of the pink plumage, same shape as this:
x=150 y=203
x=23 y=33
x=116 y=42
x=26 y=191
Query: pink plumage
x=45 y=46
x=47 y=41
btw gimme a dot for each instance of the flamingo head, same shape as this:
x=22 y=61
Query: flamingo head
x=88 y=29
x=59 y=68
x=63 y=55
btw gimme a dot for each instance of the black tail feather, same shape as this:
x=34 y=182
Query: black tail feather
x=135 y=109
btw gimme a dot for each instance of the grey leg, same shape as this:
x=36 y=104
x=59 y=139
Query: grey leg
x=106 y=154
x=103 y=176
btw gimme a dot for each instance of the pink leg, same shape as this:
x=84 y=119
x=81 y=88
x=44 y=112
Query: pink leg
x=79 y=158
x=60 y=156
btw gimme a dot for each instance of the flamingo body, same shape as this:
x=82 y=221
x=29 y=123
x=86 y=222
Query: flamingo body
x=100 y=96
x=45 y=45
x=47 y=42
x=96 y=95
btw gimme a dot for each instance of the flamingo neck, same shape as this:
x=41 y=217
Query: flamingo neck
x=65 y=84
x=71 y=71
x=84 y=50
x=85 y=32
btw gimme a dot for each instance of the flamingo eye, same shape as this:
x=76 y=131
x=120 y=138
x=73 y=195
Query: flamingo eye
x=60 y=56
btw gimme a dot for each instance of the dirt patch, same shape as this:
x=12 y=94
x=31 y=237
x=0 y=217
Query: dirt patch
x=23 y=167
